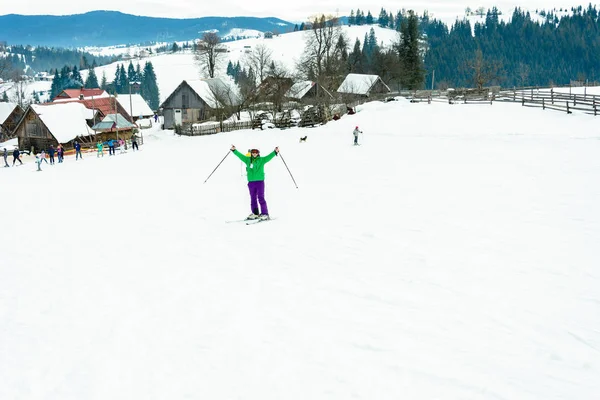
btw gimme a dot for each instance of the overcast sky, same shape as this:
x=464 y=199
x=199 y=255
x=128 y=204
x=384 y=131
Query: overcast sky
x=290 y=11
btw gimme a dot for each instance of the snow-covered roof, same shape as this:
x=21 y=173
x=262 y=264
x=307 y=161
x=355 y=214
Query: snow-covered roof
x=216 y=91
x=137 y=107
x=64 y=121
x=109 y=122
x=299 y=89
x=358 y=84
x=5 y=110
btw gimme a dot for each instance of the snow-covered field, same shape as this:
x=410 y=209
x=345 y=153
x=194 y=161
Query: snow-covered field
x=453 y=255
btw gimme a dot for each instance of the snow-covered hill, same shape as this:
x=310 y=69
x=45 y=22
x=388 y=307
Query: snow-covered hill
x=287 y=48
x=452 y=256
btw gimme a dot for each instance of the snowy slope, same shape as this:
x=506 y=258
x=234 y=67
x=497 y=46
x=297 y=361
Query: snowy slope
x=442 y=259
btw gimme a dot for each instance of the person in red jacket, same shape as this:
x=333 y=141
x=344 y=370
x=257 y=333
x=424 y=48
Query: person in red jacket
x=255 y=170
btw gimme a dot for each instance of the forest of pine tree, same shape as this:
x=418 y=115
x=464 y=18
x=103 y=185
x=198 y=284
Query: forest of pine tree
x=525 y=52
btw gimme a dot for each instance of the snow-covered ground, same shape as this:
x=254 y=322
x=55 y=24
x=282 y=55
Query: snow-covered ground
x=453 y=255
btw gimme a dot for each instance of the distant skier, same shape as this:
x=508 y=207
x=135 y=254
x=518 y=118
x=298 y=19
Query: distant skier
x=255 y=170
x=355 y=133
x=5 y=155
x=100 y=148
x=134 y=144
x=39 y=158
x=78 y=154
x=51 y=152
x=60 y=153
x=155 y=117
x=16 y=156
x=111 y=147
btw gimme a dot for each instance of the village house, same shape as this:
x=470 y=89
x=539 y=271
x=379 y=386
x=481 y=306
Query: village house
x=10 y=115
x=199 y=100
x=52 y=124
x=135 y=105
x=362 y=85
x=99 y=107
x=305 y=91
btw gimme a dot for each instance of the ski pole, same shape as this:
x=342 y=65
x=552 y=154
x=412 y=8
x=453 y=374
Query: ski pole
x=228 y=151
x=284 y=163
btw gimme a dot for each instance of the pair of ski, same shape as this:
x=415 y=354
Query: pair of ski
x=250 y=221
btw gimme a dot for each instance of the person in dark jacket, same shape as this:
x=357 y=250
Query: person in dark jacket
x=5 y=155
x=16 y=156
x=51 y=152
x=134 y=143
x=255 y=170
x=77 y=147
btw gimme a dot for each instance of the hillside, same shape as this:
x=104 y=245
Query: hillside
x=112 y=28
x=453 y=255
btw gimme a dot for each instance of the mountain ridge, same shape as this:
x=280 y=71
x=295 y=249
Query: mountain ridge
x=115 y=27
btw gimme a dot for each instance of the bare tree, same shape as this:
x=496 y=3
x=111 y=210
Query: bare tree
x=260 y=60
x=226 y=98
x=209 y=53
x=484 y=71
x=321 y=53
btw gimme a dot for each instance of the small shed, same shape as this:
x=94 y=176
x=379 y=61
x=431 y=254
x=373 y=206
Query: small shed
x=199 y=100
x=362 y=85
x=52 y=124
x=113 y=126
x=10 y=115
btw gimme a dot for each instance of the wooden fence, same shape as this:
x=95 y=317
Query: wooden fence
x=212 y=128
x=553 y=100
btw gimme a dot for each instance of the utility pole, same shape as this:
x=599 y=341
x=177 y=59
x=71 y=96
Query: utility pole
x=432 y=79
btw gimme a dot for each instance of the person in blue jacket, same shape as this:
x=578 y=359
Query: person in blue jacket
x=111 y=147
x=77 y=147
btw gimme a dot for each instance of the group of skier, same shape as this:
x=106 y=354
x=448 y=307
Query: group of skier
x=59 y=151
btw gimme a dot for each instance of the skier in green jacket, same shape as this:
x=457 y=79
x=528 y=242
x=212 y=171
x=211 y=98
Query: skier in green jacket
x=255 y=169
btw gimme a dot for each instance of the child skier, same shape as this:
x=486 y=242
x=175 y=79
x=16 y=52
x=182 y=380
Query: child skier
x=255 y=170
x=39 y=158
x=100 y=148
x=355 y=133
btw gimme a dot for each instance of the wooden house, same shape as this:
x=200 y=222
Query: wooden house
x=10 y=115
x=99 y=107
x=362 y=85
x=52 y=124
x=305 y=91
x=199 y=100
x=136 y=105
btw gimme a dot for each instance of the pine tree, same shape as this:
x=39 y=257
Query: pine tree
x=351 y=18
x=92 y=80
x=149 y=88
x=123 y=80
x=369 y=18
x=104 y=83
x=131 y=75
x=56 y=87
x=410 y=57
x=76 y=77
x=383 y=18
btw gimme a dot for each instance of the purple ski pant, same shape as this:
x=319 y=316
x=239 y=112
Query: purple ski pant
x=257 y=196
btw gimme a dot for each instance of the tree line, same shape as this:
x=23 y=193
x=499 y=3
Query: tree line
x=134 y=80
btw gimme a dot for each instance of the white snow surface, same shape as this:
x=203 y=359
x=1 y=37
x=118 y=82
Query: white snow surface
x=65 y=121
x=453 y=255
